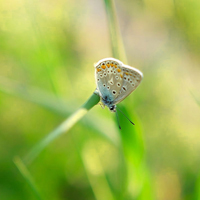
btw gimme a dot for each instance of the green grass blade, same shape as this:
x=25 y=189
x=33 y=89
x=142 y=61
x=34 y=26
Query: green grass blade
x=35 y=95
x=56 y=105
x=42 y=43
x=134 y=153
x=27 y=176
x=131 y=137
x=118 y=50
x=95 y=172
x=63 y=128
x=197 y=100
x=198 y=187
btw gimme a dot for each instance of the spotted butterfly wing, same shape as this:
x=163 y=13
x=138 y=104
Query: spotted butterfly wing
x=115 y=80
x=107 y=75
x=131 y=79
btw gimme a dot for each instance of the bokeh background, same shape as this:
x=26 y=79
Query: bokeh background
x=47 y=52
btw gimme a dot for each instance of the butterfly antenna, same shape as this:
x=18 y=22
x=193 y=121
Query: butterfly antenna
x=126 y=116
x=118 y=120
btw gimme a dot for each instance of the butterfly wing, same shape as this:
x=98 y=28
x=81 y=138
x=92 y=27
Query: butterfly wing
x=131 y=79
x=108 y=73
x=115 y=80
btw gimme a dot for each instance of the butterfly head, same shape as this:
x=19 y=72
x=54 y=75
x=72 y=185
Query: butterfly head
x=112 y=108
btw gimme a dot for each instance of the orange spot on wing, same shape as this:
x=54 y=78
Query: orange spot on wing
x=115 y=66
x=98 y=69
x=127 y=73
x=103 y=66
x=112 y=65
x=119 y=70
x=108 y=65
x=121 y=75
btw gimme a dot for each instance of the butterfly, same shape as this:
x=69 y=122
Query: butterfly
x=115 y=81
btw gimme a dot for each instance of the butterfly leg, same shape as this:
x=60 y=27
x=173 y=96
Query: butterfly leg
x=102 y=105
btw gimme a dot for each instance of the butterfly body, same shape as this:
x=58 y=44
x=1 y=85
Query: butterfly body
x=115 y=81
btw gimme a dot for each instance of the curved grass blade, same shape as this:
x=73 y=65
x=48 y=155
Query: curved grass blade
x=56 y=105
x=197 y=100
x=64 y=127
x=98 y=176
x=27 y=176
x=35 y=95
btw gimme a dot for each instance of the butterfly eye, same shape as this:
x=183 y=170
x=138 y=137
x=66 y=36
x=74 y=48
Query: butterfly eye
x=112 y=108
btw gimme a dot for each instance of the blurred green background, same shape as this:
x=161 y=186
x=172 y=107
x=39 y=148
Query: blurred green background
x=47 y=52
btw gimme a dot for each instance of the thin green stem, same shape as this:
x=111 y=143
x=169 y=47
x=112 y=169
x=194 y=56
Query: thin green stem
x=27 y=176
x=195 y=98
x=56 y=105
x=62 y=128
x=115 y=35
x=35 y=95
x=99 y=176
x=31 y=9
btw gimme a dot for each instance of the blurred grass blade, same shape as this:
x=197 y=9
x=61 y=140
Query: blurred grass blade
x=132 y=141
x=56 y=105
x=42 y=42
x=95 y=173
x=138 y=178
x=64 y=127
x=195 y=98
x=118 y=50
x=198 y=187
x=34 y=95
x=25 y=173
